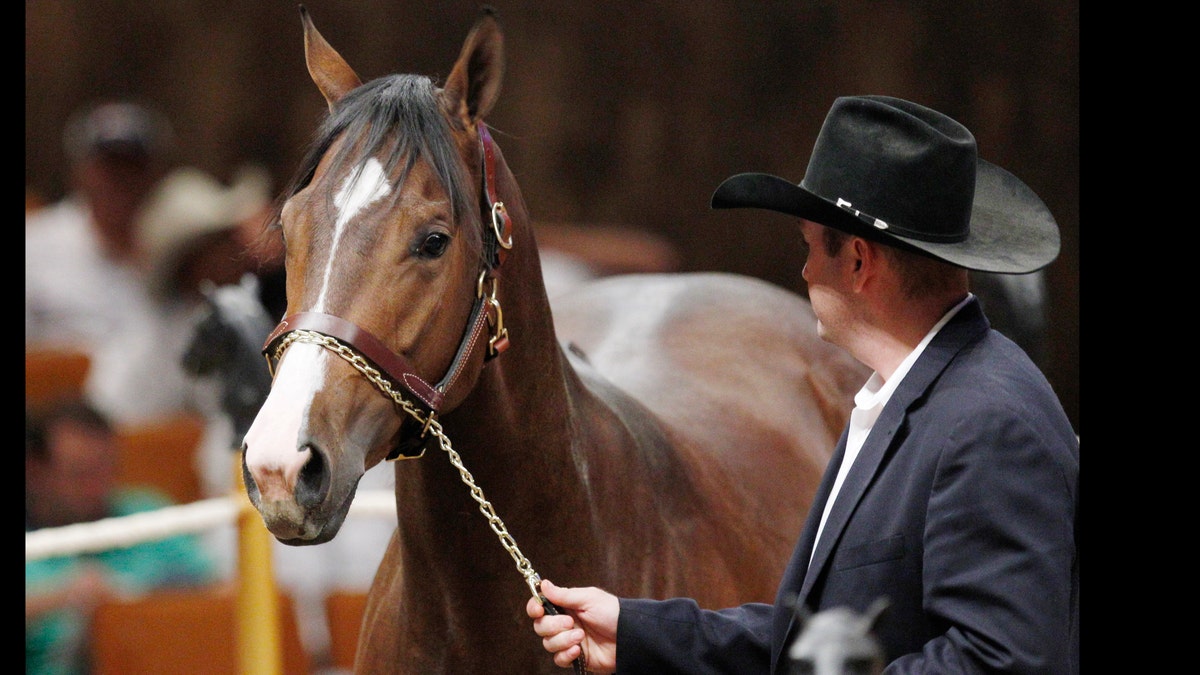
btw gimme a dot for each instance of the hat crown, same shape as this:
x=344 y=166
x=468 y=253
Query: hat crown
x=897 y=165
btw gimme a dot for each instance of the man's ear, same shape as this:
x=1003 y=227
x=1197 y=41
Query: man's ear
x=865 y=257
x=861 y=251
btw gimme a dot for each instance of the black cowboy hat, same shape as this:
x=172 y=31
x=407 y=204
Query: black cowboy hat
x=902 y=174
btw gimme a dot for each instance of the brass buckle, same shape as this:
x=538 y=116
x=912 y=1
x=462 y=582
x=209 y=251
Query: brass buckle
x=499 y=214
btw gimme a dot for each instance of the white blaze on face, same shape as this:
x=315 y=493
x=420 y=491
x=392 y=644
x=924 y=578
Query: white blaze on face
x=363 y=187
x=273 y=440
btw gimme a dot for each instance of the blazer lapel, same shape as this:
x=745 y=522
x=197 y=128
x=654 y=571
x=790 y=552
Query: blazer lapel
x=857 y=480
x=965 y=327
x=784 y=616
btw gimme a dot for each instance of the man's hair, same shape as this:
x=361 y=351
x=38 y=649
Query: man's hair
x=833 y=241
x=921 y=274
x=39 y=423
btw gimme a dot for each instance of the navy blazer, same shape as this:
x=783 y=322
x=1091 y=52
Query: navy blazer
x=960 y=509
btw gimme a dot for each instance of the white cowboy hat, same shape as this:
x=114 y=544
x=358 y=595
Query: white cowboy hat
x=189 y=204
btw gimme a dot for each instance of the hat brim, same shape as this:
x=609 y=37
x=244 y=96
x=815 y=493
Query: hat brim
x=1011 y=231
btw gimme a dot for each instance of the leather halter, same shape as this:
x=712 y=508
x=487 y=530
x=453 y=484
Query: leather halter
x=497 y=240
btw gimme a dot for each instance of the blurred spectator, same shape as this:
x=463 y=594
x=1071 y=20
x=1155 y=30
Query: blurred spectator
x=82 y=274
x=187 y=230
x=71 y=457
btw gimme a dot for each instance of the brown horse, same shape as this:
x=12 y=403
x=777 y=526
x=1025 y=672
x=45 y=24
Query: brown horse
x=658 y=435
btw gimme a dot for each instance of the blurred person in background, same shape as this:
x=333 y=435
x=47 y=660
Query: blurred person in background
x=82 y=273
x=113 y=269
x=71 y=464
x=187 y=233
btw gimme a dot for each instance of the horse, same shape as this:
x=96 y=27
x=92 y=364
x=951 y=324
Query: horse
x=656 y=434
x=225 y=344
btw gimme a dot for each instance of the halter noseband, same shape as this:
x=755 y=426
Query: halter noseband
x=497 y=240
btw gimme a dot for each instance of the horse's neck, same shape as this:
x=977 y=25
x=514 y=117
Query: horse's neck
x=520 y=402
x=529 y=380
x=514 y=435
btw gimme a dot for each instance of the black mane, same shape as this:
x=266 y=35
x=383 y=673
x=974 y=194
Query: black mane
x=398 y=119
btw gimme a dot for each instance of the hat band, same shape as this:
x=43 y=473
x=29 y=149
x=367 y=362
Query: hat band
x=882 y=225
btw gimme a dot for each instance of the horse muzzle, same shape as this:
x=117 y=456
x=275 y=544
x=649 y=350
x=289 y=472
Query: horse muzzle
x=297 y=513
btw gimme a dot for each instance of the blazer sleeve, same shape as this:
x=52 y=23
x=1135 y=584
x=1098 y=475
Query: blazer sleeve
x=677 y=636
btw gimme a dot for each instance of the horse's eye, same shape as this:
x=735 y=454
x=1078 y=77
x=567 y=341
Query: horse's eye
x=434 y=245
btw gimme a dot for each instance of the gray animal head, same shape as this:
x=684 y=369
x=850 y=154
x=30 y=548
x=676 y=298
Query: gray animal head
x=838 y=641
x=226 y=345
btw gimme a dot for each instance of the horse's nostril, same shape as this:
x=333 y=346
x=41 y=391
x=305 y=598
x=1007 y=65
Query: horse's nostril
x=313 y=482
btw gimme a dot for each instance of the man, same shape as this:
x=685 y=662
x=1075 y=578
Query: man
x=953 y=493
x=83 y=278
x=71 y=457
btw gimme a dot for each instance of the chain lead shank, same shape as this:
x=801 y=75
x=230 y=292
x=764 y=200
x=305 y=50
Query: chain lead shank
x=432 y=426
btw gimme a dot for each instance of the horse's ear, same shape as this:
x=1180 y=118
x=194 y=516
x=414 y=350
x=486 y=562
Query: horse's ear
x=876 y=611
x=474 y=83
x=333 y=76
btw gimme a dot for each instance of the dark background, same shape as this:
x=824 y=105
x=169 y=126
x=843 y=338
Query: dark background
x=625 y=113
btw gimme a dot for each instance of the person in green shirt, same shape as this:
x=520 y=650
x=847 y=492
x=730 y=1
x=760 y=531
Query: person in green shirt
x=71 y=456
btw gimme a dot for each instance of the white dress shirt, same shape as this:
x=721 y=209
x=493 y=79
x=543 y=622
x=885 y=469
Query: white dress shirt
x=868 y=403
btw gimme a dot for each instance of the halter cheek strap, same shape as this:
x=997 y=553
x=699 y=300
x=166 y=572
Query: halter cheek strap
x=498 y=240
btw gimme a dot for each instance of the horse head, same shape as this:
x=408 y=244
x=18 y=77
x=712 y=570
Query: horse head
x=227 y=333
x=394 y=230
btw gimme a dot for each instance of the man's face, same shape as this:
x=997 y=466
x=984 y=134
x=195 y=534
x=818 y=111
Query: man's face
x=81 y=471
x=828 y=278
x=116 y=186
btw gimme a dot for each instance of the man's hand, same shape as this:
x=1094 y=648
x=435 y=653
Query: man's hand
x=587 y=626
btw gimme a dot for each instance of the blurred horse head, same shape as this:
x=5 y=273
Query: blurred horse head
x=226 y=345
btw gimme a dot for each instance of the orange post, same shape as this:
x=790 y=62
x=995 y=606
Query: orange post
x=259 y=644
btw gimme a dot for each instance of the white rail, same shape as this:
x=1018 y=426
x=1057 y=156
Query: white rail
x=133 y=529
